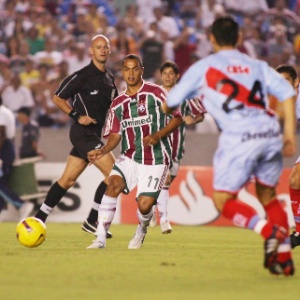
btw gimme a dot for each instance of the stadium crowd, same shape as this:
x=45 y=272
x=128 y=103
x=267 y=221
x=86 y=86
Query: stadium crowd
x=42 y=41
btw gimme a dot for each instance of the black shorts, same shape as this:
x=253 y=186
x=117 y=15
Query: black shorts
x=84 y=139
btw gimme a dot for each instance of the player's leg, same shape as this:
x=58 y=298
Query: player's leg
x=117 y=181
x=162 y=207
x=105 y=165
x=150 y=182
x=294 y=185
x=74 y=167
x=277 y=215
x=163 y=199
x=234 y=164
x=107 y=208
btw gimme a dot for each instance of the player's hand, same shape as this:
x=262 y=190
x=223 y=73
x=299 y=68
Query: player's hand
x=95 y=154
x=151 y=139
x=289 y=148
x=86 y=120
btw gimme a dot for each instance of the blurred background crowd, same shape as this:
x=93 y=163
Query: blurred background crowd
x=42 y=41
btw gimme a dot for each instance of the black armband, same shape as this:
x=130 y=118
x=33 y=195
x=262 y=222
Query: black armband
x=74 y=114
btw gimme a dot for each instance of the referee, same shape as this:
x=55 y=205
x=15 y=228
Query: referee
x=91 y=90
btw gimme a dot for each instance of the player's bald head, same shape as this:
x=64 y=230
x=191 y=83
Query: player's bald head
x=99 y=37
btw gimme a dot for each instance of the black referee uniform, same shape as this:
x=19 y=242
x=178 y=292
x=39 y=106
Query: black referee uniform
x=91 y=92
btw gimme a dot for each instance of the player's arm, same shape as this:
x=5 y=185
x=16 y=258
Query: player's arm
x=155 y=137
x=191 y=120
x=289 y=130
x=64 y=106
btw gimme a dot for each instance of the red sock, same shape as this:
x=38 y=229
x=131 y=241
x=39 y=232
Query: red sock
x=276 y=214
x=238 y=212
x=295 y=201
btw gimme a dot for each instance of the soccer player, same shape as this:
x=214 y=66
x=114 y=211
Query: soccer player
x=92 y=90
x=192 y=112
x=235 y=89
x=136 y=119
x=290 y=74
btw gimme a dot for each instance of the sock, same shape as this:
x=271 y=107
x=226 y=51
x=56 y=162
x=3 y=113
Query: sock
x=243 y=215
x=144 y=221
x=53 y=197
x=162 y=204
x=295 y=201
x=276 y=214
x=106 y=214
x=93 y=215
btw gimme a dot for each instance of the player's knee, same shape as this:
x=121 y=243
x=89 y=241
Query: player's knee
x=66 y=183
x=294 y=181
x=114 y=187
x=145 y=206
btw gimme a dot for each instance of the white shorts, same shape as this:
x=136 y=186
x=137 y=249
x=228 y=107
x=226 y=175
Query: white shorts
x=237 y=159
x=149 y=179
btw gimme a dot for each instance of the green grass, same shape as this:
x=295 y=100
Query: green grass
x=191 y=263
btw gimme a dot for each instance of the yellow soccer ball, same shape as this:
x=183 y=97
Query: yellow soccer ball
x=31 y=232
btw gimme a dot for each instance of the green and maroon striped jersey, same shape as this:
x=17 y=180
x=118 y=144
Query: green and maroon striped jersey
x=134 y=118
x=192 y=107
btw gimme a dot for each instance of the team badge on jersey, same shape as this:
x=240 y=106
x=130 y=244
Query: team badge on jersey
x=141 y=107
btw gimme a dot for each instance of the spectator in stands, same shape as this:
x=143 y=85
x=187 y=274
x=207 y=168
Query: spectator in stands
x=152 y=51
x=78 y=58
x=30 y=134
x=50 y=55
x=30 y=75
x=123 y=43
x=36 y=43
x=7 y=157
x=16 y=95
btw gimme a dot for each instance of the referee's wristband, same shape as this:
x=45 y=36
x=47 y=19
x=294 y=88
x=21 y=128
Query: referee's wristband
x=74 y=114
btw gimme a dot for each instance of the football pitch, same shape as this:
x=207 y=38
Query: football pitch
x=191 y=263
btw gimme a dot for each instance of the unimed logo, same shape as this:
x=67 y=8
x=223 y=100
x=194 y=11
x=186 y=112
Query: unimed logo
x=136 y=122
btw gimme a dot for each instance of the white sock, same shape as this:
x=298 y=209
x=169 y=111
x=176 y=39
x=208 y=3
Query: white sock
x=46 y=209
x=95 y=206
x=106 y=214
x=144 y=221
x=162 y=204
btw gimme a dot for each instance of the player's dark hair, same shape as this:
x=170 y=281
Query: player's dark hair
x=169 y=64
x=289 y=69
x=135 y=57
x=226 y=31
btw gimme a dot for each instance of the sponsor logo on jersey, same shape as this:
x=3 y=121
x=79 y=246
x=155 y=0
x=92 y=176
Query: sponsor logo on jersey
x=238 y=69
x=95 y=92
x=136 y=122
x=260 y=135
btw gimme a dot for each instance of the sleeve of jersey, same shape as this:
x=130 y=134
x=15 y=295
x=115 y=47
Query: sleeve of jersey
x=196 y=106
x=278 y=86
x=188 y=86
x=70 y=86
x=112 y=124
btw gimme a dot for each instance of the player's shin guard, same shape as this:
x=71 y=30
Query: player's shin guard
x=162 y=204
x=53 y=197
x=295 y=201
x=277 y=215
x=243 y=215
x=106 y=214
x=144 y=221
x=93 y=215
